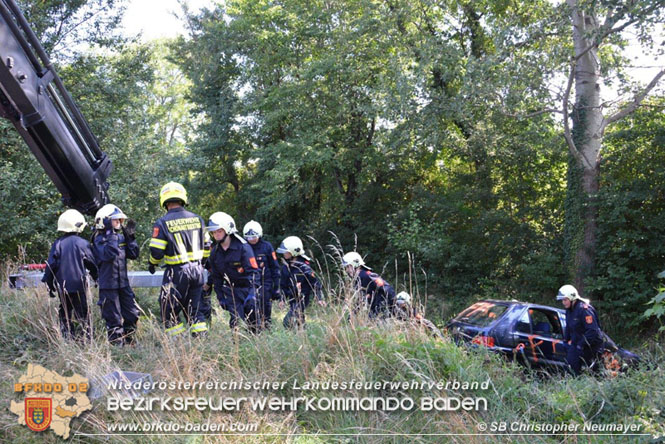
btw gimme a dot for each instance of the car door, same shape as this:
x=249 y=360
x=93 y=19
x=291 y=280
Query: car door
x=539 y=337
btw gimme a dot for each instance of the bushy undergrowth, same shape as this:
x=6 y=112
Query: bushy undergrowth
x=332 y=347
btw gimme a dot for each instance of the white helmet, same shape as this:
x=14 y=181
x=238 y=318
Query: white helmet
x=252 y=230
x=221 y=220
x=293 y=245
x=110 y=211
x=403 y=298
x=352 y=258
x=71 y=221
x=567 y=292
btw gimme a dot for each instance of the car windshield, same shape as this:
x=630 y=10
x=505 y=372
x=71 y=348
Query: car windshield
x=481 y=314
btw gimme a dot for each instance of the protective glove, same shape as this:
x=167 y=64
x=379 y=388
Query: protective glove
x=151 y=268
x=130 y=229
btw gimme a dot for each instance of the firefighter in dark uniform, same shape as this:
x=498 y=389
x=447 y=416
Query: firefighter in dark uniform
x=266 y=258
x=179 y=239
x=297 y=282
x=65 y=275
x=113 y=244
x=234 y=273
x=379 y=294
x=583 y=333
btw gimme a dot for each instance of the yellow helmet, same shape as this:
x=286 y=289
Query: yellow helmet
x=71 y=221
x=172 y=191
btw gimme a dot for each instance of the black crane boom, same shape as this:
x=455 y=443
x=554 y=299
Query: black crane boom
x=33 y=97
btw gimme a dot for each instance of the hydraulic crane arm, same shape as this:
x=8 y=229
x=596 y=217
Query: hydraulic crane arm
x=33 y=97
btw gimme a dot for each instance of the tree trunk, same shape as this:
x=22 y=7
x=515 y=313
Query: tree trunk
x=587 y=135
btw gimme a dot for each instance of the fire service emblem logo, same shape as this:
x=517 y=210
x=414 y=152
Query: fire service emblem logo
x=38 y=413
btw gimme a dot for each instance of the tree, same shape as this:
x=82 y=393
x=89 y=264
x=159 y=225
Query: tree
x=631 y=210
x=591 y=35
x=65 y=27
x=292 y=95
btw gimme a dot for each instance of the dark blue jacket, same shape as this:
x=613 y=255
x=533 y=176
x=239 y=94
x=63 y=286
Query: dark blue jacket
x=379 y=293
x=68 y=259
x=582 y=327
x=178 y=238
x=296 y=272
x=111 y=251
x=269 y=271
x=235 y=266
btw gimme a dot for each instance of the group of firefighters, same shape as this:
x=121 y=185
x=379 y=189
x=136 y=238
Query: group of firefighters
x=243 y=271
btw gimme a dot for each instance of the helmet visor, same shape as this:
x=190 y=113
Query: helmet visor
x=117 y=214
x=212 y=226
x=251 y=234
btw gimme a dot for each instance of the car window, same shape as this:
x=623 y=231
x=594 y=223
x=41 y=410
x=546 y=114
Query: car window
x=524 y=323
x=545 y=323
x=482 y=314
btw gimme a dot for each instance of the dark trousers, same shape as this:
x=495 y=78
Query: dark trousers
x=265 y=305
x=296 y=314
x=120 y=312
x=239 y=303
x=181 y=292
x=206 y=306
x=578 y=355
x=73 y=314
x=381 y=302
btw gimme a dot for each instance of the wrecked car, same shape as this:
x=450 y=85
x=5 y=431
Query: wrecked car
x=531 y=333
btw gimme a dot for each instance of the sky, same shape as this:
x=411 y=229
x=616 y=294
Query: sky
x=155 y=18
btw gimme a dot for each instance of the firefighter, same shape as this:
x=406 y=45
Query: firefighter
x=297 y=281
x=65 y=275
x=179 y=239
x=266 y=259
x=113 y=244
x=405 y=311
x=583 y=333
x=379 y=295
x=234 y=273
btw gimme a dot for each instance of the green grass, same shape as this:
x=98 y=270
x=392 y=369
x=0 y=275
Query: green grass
x=332 y=347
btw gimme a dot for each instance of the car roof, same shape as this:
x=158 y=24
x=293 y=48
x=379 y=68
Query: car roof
x=523 y=304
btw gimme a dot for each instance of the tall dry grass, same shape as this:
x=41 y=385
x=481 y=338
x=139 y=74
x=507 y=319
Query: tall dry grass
x=336 y=345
